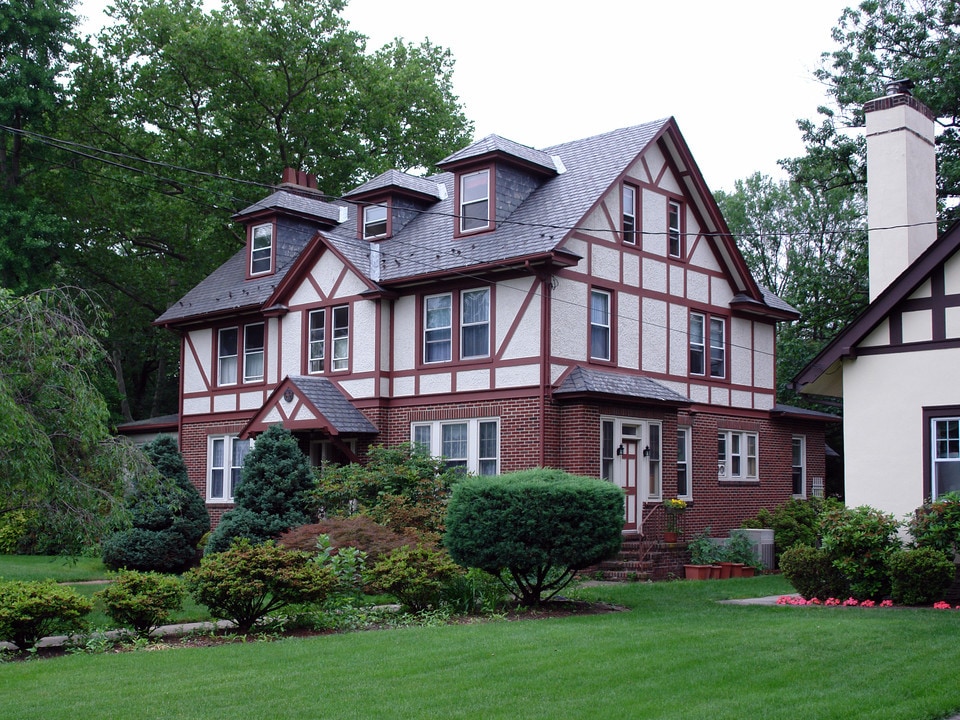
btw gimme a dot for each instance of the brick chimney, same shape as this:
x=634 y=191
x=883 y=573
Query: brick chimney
x=901 y=183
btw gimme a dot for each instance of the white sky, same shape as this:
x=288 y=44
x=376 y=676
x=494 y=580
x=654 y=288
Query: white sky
x=736 y=74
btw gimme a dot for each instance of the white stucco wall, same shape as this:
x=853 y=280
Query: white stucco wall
x=202 y=341
x=525 y=341
x=884 y=396
x=404 y=333
x=654 y=335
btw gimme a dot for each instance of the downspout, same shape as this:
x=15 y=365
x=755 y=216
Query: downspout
x=545 y=354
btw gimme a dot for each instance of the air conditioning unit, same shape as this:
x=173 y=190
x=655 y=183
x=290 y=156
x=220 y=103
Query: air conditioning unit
x=762 y=541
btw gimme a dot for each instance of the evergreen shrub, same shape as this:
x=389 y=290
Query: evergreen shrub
x=415 y=576
x=812 y=573
x=936 y=524
x=860 y=541
x=142 y=601
x=919 y=576
x=31 y=610
x=534 y=528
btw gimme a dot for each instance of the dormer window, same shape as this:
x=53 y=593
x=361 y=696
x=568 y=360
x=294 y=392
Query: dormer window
x=261 y=249
x=374 y=222
x=475 y=201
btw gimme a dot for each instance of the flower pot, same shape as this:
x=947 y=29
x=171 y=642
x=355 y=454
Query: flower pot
x=670 y=536
x=714 y=572
x=726 y=570
x=748 y=571
x=736 y=570
x=696 y=572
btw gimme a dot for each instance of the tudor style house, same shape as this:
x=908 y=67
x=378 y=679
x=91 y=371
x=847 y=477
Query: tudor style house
x=896 y=367
x=581 y=307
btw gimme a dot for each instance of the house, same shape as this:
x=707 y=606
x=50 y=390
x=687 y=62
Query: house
x=581 y=307
x=896 y=365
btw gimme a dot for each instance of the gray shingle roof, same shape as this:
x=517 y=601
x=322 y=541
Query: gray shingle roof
x=400 y=180
x=296 y=203
x=335 y=406
x=589 y=380
x=496 y=144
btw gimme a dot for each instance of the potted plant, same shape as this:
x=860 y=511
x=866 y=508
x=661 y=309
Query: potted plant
x=674 y=508
x=703 y=551
x=740 y=550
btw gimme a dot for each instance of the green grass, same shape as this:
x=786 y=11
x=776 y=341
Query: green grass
x=43 y=567
x=677 y=654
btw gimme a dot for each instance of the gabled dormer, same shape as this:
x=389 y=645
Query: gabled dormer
x=389 y=201
x=492 y=178
x=278 y=226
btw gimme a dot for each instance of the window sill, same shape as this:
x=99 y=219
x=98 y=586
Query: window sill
x=735 y=482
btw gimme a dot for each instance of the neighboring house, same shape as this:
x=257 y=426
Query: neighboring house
x=897 y=366
x=582 y=307
x=141 y=432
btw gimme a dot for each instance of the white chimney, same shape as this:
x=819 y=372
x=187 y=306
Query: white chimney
x=901 y=183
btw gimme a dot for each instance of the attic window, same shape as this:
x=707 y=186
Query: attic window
x=261 y=249
x=475 y=201
x=374 y=222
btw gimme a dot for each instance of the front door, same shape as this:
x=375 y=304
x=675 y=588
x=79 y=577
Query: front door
x=630 y=457
x=629 y=483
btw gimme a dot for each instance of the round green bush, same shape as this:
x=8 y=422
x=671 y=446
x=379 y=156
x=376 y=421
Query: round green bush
x=142 y=602
x=148 y=550
x=919 y=576
x=812 y=573
x=859 y=541
x=31 y=610
x=416 y=576
x=937 y=524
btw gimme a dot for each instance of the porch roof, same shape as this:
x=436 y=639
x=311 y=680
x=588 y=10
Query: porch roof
x=587 y=381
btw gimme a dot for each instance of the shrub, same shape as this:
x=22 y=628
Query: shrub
x=919 y=576
x=415 y=576
x=246 y=582
x=812 y=573
x=400 y=487
x=704 y=551
x=30 y=610
x=358 y=531
x=796 y=522
x=937 y=524
x=859 y=541
x=474 y=592
x=13 y=528
x=142 y=601
x=532 y=522
x=273 y=494
x=169 y=517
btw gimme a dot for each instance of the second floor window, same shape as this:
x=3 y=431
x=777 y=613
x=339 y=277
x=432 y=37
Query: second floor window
x=439 y=312
x=232 y=366
x=707 y=334
x=261 y=249
x=630 y=214
x=475 y=201
x=438 y=331
x=253 y=353
x=227 y=359
x=475 y=323
x=318 y=340
x=599 y=325
x=374 y=222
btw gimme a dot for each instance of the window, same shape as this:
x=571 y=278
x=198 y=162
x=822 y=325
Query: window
x=374 y=221
x=945 y=439
x=475 y=201
x=798 y=465
x=318 y=340
x=473 y=445
x=737 y=455
x=599 y=325
x=475 y=323
x=474 y=334
x=683 y=463
x=629 y=214
x=652 y=453
x=253 y=353
x=261 y=249
x=227 y=356
x=698 y=345
x=674 y=232
x=226 y=454
x=606 y=449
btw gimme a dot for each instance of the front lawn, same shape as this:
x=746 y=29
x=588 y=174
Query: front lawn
x=44 y=567
x=676 y=654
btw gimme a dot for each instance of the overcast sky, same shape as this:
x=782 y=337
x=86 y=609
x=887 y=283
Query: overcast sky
x=736 y=74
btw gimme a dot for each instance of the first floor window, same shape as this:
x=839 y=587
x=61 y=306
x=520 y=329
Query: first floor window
x=945 y=436
x=683 y=462
x=652 y=453
x=600 y=325
x=473 y=445
x=799 y=465
x=227 y=356
x=606 y=449
x=737 y=455
x=226 y=456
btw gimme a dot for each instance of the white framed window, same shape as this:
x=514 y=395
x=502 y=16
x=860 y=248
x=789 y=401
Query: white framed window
x=475 y=201
x=438 y=328
x=374 y=222
x=684 y=457
x=475 y=323
x=472 y=444
x=652 y=452
x=341 y=338
x=699 y=324
x=737 y=455
x=261 y=249
x=599 y=325
x=798 y=465
x=328 y=328
x=225 y=456
x=629 y=201
x=253 y=353
x=317 y=340
x=606 y=449
x=227 y=357
x=674 y=229
x=945 y=455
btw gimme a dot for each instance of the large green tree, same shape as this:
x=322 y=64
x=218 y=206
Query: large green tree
x=179 y=116
x=879 y=41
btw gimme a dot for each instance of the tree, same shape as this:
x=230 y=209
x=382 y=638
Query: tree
x=808 y=245
x=536 y=527
x=169 y=517
x=881 y=41
x=58 y=460
x=181 y=116
x=272 y=496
